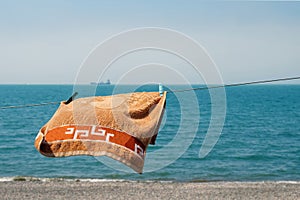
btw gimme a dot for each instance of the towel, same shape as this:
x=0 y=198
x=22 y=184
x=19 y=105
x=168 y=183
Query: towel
x=118 y=126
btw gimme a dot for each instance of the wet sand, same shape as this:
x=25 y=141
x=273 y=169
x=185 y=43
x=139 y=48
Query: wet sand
x=148 y=190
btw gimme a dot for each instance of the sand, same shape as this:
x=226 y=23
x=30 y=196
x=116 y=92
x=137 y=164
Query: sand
x=148 y=190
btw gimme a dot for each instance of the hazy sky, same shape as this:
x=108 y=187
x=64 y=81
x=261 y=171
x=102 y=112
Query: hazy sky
x=46 y=41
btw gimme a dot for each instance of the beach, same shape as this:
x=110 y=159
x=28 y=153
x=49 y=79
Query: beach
x=78 y=189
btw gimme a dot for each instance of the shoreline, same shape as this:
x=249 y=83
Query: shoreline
x=148 y=190
x=74 y=179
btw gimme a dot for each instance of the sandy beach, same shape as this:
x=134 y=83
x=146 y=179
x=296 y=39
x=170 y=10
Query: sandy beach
x=148 y=190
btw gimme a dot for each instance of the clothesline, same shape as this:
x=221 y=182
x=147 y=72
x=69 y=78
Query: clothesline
x=171 y=91
x=237 y=84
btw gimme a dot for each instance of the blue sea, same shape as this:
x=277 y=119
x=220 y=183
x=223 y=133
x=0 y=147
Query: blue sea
x=260 y=140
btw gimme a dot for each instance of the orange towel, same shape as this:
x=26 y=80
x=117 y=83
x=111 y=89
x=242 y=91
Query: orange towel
x=119 y=126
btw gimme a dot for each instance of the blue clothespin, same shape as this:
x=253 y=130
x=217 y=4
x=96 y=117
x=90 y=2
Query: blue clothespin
x=160 y=89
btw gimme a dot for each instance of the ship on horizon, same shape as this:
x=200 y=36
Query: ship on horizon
x=101 y=83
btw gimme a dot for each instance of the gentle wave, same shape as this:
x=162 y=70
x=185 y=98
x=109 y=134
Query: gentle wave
x=30 y=179
x=91 y=180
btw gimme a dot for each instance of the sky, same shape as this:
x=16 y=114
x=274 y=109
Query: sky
x=46 y=42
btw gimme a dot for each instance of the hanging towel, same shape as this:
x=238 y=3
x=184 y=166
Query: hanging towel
x=118 y=126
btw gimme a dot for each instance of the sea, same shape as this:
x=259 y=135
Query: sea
x=258 y=141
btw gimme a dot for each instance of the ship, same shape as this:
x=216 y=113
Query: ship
x=101 y=83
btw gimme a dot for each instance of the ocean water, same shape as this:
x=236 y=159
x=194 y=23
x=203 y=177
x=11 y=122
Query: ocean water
x=260 y=139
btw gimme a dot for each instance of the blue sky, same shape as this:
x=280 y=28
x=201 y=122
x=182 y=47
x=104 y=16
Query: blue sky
x=46 y=41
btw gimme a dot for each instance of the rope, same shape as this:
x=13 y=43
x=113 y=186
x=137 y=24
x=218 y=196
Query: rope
x=236 y=84
x=29 y=105
x=171 y=91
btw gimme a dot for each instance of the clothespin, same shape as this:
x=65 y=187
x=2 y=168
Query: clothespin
x=71 y=98
x=160 y=89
